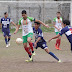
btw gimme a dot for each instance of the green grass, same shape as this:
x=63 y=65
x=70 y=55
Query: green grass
x=44 y=29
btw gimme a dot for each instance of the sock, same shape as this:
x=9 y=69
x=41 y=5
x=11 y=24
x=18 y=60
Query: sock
x=30 y=56
x=28 y=51
x=59 y=42
x=6 y=40
x=52 y=54
x=56 y=42
x=31 y=45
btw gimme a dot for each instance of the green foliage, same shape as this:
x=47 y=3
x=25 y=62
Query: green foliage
x=44 y=29
x=48 y=22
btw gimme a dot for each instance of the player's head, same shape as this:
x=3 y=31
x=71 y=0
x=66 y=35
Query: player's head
x=37 y=24
x=58 y=14
x=6 y=14
x=66 y=22
x=24 y=14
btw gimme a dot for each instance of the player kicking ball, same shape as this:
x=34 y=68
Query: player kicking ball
x=5 y=22
x=57 y=21
x=67 y=30
x=40 y=42
x=27 y=32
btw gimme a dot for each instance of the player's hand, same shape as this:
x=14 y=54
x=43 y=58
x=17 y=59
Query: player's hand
x=35 y=44
x=58 y=29
x=47 y=26
x=49 y=40
x=15 y=32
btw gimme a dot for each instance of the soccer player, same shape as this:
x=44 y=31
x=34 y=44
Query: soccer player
x=5 y=22
x=40 y=41
x=27 y=32
x=67 y=30
x=57 y=21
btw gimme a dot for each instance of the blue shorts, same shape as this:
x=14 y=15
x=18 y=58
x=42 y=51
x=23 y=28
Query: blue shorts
x=41 y=45
x=6 y=32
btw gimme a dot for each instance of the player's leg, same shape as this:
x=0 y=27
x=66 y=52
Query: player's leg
x=71 y=47
x=5 y=36
x=29 y=38
x=9 y=36
x=58 y=41
x=27 y=48
x=52 y=54
x=45 y=47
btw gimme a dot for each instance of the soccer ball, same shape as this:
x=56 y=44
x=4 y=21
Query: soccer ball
x=19 y=41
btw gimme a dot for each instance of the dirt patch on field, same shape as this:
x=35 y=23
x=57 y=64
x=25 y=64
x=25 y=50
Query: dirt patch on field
x=12 y=59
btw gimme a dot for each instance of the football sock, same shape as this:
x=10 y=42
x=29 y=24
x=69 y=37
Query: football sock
x=52 y=54
x=31 y=45
x=56 y=42
x=30 y=56
x=59 y=41
x=6 y=40
x=28 y=51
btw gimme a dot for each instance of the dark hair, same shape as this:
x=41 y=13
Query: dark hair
x=37 y=23
x=59 y=12
x=67 y=22
x=5 y=13
x=24 y=12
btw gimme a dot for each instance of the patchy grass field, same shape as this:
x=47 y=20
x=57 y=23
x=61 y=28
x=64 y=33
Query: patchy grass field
x=12 y=59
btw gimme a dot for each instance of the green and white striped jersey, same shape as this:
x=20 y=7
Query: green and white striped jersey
x=58 y=23
x=26 y=25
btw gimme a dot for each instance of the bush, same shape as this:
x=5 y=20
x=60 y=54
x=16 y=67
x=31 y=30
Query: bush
x=49 y=21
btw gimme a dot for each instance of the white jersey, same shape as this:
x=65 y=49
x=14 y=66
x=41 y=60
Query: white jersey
x=58 y=23
x=26 y=25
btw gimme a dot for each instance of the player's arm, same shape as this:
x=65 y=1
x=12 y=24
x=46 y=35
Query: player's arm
x=56 y=26
x=35 y=44
x=17 y=28
x=0 y=25
x=41 y=23
x=54 y=37
x=61 y=33
x=14 y=24
x=19 y=24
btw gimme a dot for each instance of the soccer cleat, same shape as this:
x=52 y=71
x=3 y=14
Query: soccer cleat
x=7 y=46
x=59 y=61
x=30 y=60
x=57 y=47
x=33 y=54
x=8 y=43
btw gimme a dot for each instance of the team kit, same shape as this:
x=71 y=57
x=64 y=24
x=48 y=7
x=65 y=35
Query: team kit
x=61 y=27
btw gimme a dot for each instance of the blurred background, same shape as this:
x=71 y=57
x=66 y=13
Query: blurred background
x=44 y=11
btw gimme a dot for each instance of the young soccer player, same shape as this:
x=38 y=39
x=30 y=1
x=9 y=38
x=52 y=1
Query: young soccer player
x=67 y=30
x=27 y=32
x=40 y=41
x=5 y=22
x=57 y=21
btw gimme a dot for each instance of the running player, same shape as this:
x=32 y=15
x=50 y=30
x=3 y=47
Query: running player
x=5 y=22
x=27 y=32
x=39 y=40
x=57 y=21
x=67 y=30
